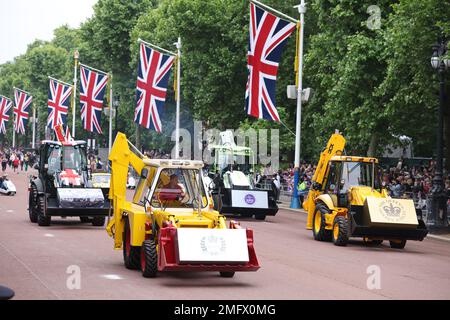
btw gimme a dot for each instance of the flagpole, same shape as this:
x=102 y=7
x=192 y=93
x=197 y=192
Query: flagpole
x=177 y=127
x=14 y=131
x=76 y=56
x=110 y=112
x=295 y=203
x=34 y=127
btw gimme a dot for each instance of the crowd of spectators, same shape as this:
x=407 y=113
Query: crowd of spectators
x=400 y=181
x=17 y=159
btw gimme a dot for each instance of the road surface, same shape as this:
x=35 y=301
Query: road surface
x=34 y=261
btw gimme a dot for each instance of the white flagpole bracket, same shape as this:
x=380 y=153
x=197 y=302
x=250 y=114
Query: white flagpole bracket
x=154 y=46
x=274 y=11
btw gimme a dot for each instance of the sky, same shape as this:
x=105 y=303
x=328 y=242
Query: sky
x=23 y=21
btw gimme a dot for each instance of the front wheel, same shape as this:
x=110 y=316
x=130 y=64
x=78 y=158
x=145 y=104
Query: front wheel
x=340 y=231
x=261 y=217
x=32 y=206
x=319 y=231
x=43 y=220
x=397 y=244
x=149 y=259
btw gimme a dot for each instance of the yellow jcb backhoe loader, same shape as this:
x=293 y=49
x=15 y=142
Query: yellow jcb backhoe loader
x=346 y=200
x=170 y=224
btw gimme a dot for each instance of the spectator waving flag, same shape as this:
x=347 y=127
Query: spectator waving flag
x=92 y=92
x=5 y=106
x=22 y=101
x=59 y=95
x=268 y=35
x=153 y=77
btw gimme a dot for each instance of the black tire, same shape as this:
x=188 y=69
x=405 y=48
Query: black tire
x=131 y=254
x=246 y=215
x=340 y=231
x=398 y=244
x=32 y=204
x=319 y=232
x=227 y=274
x=149 y=259
x=98 y=221
x=85 y=219
x=261 y=217
x=43 y=220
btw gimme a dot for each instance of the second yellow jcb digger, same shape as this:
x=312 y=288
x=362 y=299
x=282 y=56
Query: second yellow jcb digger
x=347 y=200
x=170 y=224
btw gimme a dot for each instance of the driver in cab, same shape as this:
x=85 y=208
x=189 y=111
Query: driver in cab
x=172 y=191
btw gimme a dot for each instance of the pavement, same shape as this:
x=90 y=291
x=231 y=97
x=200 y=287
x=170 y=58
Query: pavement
x=42 y=262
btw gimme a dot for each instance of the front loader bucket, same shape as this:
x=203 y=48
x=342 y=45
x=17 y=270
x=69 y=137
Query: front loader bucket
x=169 y=254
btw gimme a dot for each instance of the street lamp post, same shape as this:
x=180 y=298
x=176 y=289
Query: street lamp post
x=438 y=217
x=116 y=107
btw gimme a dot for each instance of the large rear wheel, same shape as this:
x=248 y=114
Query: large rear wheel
x=131 y=254
x=149 y=259
x=319 y=231
x=340 y=231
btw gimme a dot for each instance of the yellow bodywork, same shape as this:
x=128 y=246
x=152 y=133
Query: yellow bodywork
x=121 y=157
x=357 y=195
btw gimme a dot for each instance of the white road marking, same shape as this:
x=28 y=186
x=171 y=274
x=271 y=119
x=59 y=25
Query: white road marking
x=10 y=211
x=112 y=276
x=49 y=235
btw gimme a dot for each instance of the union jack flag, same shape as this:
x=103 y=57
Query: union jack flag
x=92 y=92
x=5 y=106
x=58 y=103
x=268 y=35
x=22 y=103
x=153 y=77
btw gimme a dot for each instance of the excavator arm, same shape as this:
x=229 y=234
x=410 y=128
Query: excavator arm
x=335 y=146
x=122 y=155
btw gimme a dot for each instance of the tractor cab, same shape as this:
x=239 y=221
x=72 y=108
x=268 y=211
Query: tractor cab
x=64 y=164
x=351 y=179
x=232 y=181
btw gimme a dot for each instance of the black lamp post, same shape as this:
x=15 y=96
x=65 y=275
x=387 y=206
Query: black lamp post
x=438 y=217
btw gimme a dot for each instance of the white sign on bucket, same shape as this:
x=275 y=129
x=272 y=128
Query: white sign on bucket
x=196 y=245
x=249 y=199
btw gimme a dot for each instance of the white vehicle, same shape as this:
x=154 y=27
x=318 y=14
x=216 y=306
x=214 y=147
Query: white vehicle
x=7 y=187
